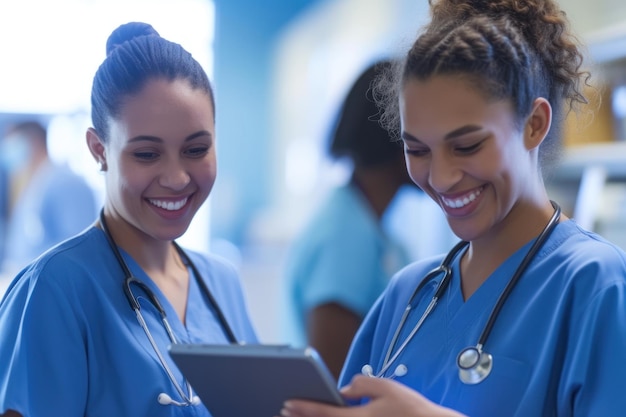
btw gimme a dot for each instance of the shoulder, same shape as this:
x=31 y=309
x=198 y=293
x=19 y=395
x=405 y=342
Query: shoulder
x=209 y=260
x=65 y=280
x=213 y=267
x=408 y=278
x=80 y=249
x=62 y=175
x=342 y=224
x=578 y=251
x=81 y=254
x=344 y=209
x=60 y=182
x=577 y=266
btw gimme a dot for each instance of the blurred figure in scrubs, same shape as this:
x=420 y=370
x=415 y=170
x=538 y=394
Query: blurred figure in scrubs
x=47 y=202
x=343 y=260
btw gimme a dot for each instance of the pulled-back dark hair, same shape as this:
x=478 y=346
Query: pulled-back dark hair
x=509 y=49
x=358 y=133
x=136 y=54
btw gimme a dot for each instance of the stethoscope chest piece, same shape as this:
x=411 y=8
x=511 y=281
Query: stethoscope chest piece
x=474 y=365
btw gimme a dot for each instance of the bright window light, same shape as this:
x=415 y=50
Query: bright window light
x=51 y=50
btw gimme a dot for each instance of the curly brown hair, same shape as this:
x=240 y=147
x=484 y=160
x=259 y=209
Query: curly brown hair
x=509 y=49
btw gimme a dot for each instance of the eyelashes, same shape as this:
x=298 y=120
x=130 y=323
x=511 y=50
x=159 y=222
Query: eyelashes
x=461 y=150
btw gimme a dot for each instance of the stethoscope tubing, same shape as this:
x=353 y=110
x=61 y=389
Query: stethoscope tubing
x=530 y=255
x=389 y=361
x=131 y=279
x=186 y=397
x=445 y=269
x=205 y=289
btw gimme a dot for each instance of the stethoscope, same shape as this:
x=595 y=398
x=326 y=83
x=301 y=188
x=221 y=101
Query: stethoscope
x=188 y=398
x=473 y=362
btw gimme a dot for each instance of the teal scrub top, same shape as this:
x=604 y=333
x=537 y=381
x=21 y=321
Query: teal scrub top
x=343 y=256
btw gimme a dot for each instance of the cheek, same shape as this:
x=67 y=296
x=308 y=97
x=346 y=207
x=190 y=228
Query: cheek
x=418 y=171
x=209 y=176
x=497 y=162
x=132 y=179
x=207 y=172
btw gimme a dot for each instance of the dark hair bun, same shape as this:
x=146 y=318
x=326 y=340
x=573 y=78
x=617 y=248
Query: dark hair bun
x=128 y=31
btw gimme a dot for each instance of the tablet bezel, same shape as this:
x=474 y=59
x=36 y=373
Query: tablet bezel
x=254 y=380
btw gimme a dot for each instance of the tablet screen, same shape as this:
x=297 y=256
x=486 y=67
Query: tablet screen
x=254 y=380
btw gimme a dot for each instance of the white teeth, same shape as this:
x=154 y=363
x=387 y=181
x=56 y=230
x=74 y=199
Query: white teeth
x=169 y=205
x=461 y=202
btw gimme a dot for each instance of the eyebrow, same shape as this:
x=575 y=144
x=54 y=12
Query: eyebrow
x=455 y=133
x=159 y=140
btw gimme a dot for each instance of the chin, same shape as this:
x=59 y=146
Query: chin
x=464 y=233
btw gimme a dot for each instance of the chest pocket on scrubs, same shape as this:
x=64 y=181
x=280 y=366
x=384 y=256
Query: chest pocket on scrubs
x=498 y=395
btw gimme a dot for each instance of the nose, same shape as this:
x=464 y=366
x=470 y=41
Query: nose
x=444 y=172
x=175 y=175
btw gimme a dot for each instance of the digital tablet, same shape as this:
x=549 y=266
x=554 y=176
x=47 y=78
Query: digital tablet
x=254 y=380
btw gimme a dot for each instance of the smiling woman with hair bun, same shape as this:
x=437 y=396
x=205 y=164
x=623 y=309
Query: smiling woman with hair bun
x=82 y=326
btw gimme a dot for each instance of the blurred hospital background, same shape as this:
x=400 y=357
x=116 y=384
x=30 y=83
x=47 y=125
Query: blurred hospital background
x=280 y=69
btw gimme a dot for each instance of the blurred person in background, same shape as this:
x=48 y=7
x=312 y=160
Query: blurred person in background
x=47 y=202
x=344 y=258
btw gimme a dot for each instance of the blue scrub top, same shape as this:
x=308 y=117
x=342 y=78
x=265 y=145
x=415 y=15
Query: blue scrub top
x=55 y=205
x=72 y=346
x=558 y=344
x=343 y=256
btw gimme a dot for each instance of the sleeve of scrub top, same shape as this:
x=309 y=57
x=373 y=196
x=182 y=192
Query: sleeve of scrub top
x=44 y=370
x=594 y=383
x=345 y=272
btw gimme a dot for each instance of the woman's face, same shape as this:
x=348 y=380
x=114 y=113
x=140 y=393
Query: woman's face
x=160 y=158
x=467 y=153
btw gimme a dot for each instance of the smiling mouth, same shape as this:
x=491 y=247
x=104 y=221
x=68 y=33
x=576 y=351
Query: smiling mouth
x=169 y=205
x=462 y=201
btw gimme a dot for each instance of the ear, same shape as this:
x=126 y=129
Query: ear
x=538 y=123
x=97 y=148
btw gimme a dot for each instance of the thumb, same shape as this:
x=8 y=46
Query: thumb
x=366 y=386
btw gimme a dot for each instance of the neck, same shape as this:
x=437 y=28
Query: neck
x=377 y=188
x=151 y=254
x=485 y=255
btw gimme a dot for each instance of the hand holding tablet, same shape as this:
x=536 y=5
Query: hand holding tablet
x=254 y=380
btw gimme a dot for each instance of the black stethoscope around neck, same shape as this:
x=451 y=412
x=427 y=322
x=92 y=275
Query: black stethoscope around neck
x=187 y=398
x=474 y=364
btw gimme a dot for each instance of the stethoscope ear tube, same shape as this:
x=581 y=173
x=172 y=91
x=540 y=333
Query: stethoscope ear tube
x=474 y=365
x=148 y=292
x=230 y=334
x=130 y=279
x=163 y=398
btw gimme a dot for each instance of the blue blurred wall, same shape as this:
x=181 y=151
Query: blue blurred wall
x=246 y=32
